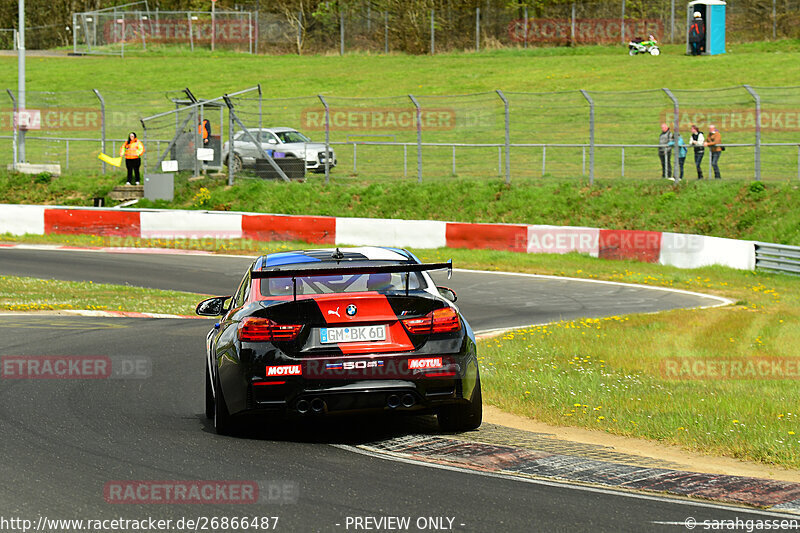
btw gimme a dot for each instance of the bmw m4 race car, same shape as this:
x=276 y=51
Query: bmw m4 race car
x=318 y=332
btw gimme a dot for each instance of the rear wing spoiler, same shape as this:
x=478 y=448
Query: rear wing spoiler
x=340 y=270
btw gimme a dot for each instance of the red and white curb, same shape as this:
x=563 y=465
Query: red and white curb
x=676 y=249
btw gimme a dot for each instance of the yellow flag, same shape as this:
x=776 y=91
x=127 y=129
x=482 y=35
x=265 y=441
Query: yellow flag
x=116 y=161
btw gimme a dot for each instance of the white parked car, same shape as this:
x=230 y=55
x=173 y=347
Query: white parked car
x=280 y=142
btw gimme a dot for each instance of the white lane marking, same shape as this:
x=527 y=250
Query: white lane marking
x=722 y=300
x=677 y=500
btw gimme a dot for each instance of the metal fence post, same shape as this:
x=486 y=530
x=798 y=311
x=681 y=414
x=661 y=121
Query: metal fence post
x=572 y=24
x=260 y=108
x=230 y=146
x=672 y=22
x=191 y=32
x=341 y=31
x=525 y=42
x=622 y=23
x=144 y=136
x=675 y=132
x=623 y=162
x=591 y=135
x=419 y=138
x=102 y=123
x=477 y=29
x=327 y=138
x=14 y=146
x=774 y=21
x=508 y=134
x=385 y=32
x=757 y=148
x=433 y=34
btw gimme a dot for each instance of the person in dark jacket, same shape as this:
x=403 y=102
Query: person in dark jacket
x=697 y=34
x=698 y=141
x=665 y=143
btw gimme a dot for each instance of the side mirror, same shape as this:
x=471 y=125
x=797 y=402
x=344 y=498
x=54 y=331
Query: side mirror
x=212 y=307
x=447 y=293
x=272 y=141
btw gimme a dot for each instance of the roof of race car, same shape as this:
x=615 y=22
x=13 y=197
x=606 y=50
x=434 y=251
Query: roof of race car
x=361 y=254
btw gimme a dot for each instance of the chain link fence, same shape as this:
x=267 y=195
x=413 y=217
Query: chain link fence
x=514 y=135
x=441 y=26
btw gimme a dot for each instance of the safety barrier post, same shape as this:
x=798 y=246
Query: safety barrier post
x=757 y=149
x=508 y=133
x=591 y=135
x=675 y=132
x=419 y=138
x=102 y=124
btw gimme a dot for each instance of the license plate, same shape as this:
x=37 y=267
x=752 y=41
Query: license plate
x=352 y=334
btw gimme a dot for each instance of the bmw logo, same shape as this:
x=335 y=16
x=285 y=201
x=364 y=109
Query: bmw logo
x=351 y=310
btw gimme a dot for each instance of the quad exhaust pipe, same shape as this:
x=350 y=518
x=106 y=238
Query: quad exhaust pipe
x=394 y=401
x=408 y=400
x=303 y=407
x=316 y=405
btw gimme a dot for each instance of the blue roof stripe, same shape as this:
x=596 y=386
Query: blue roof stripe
x=288 y=258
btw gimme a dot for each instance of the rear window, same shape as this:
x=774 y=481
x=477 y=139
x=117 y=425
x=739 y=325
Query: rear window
x=343 y=284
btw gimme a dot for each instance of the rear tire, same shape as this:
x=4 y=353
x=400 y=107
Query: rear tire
x=632 y=52
x=223 y=421
x=209 y=396
x=463 y=417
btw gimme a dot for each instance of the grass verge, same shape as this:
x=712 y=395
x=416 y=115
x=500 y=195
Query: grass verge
x=724 y=209
x=30 y=294
x=721 y=380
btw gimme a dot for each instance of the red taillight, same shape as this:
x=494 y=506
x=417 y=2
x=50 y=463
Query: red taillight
x=443 y=320
x=254 y=329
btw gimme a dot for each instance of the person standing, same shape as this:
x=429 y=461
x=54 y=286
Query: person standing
x=697 y=34
x=665 y=143
x=714 y=143
x=697 y=141
x=204 y=129
x=132 y=151
x=682 y=151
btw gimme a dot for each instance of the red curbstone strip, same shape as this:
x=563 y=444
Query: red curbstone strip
x=321 y=230
x=629 y=244
x=92 y=222
x=487 y=236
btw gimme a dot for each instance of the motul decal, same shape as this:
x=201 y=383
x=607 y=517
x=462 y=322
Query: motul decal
x=284 y=370
x=427 y=362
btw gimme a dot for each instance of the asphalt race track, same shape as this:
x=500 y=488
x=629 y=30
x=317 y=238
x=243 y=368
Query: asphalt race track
x=65 y=440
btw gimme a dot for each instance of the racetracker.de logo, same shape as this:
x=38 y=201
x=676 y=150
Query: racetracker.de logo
x=74 y=367
x=687 y=368
x=181 y=492
x=379 y=119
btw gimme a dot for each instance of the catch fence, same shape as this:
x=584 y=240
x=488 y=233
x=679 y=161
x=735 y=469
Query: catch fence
x=513 y=135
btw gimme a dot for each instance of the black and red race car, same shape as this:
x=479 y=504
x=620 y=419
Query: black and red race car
x=317 y=332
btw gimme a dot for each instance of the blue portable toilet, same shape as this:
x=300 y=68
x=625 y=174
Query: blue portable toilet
x=713 y=14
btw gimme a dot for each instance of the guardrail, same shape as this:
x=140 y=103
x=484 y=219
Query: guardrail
x=778 y=257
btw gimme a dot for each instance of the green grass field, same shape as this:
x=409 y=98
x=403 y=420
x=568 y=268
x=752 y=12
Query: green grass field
x=136 y=87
